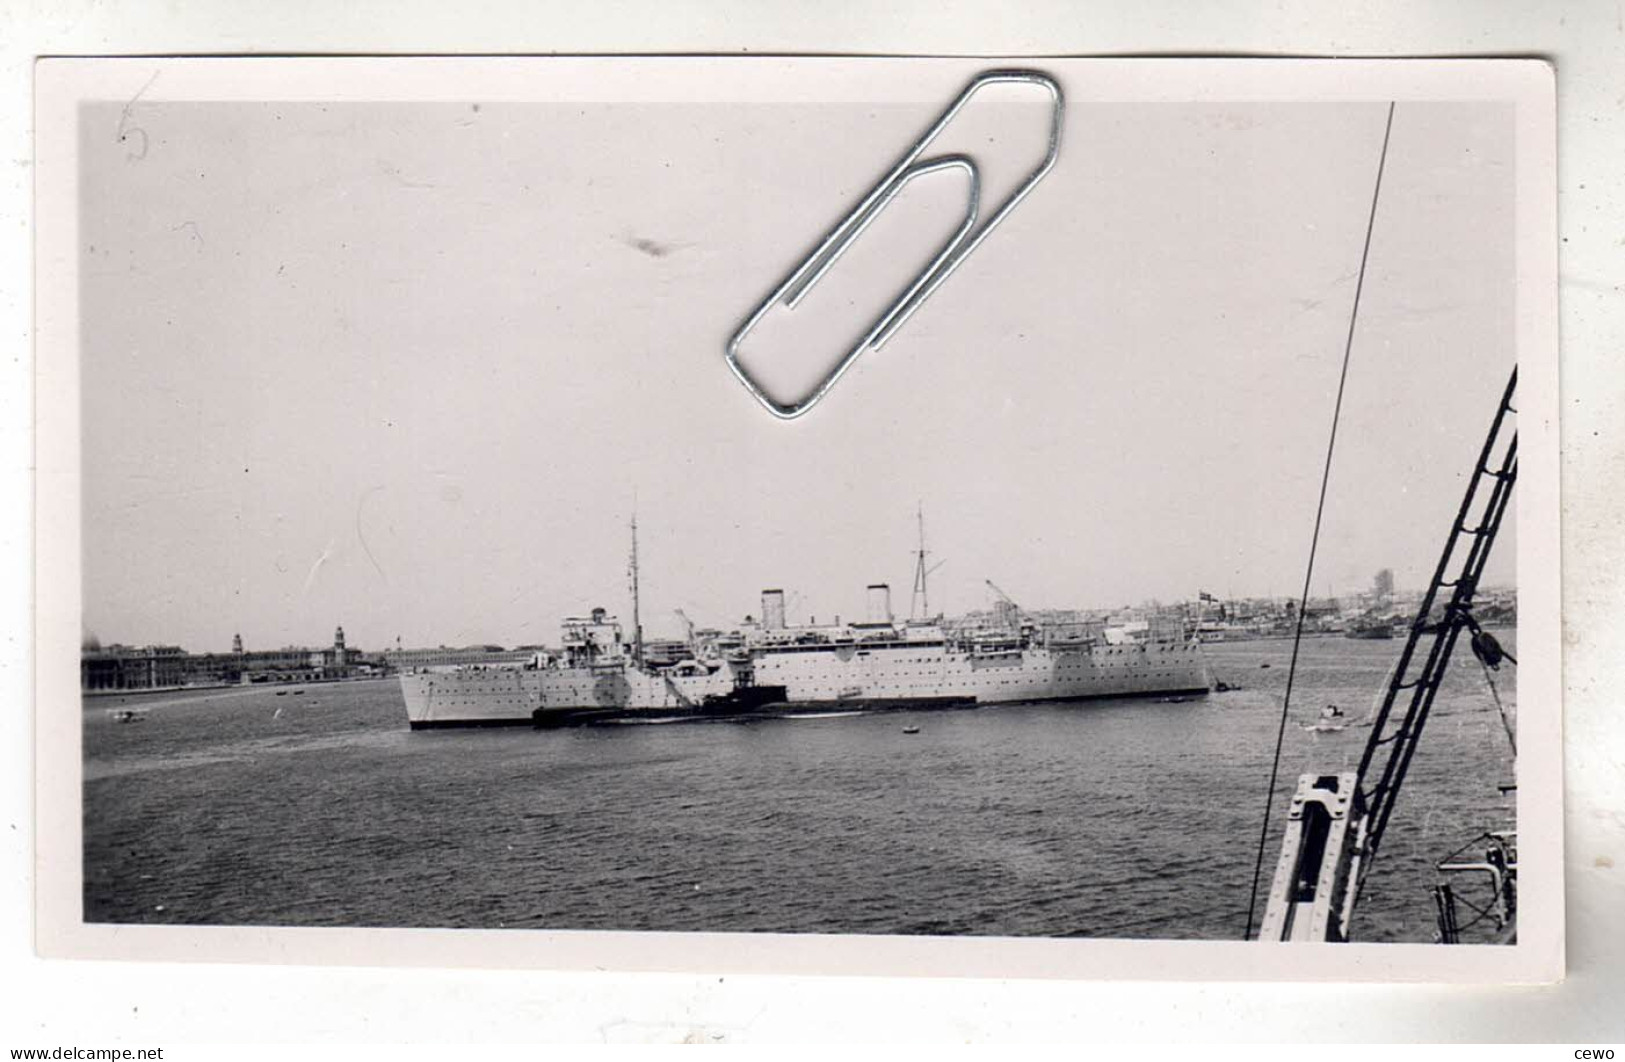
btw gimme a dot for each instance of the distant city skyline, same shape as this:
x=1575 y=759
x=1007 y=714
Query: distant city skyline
x=1343 y=598
x=410 y=367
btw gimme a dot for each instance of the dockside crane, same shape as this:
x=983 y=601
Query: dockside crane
x=688 y=625
x=1010 y=612
x=1336 y=823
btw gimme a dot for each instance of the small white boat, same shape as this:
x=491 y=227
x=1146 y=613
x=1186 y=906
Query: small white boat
x=1331 y=720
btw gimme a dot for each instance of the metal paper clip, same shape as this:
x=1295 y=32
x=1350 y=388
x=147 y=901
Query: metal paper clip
x=958 y=247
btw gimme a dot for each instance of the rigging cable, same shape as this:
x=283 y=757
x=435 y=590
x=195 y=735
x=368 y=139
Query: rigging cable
x=1489 y=653
x=1506 y=724
x=1314 y=540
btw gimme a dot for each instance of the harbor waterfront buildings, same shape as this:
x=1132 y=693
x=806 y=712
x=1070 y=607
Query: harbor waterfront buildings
x=122 y=667
x=154 y=667
x=418 y=659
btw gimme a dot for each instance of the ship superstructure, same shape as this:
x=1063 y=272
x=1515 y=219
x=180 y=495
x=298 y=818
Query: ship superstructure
x=883 y=661
x=597 y=674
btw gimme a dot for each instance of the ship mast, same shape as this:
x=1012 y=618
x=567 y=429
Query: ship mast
x=920 y=605
x=637 y=623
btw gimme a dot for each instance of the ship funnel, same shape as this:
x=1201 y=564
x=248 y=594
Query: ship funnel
x=773 y=610
x=879 y=603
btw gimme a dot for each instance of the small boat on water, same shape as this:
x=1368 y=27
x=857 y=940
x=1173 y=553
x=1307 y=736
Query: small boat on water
x=1370 y=629
x=911 y=730
x=127 y=715
x=1331 y=720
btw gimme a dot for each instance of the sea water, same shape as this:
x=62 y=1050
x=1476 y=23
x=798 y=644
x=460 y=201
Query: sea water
x=1112 y=818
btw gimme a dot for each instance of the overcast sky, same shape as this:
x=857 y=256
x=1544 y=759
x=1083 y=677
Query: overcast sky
x=405 y=367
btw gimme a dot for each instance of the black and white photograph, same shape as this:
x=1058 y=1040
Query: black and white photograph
x=610 y=503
